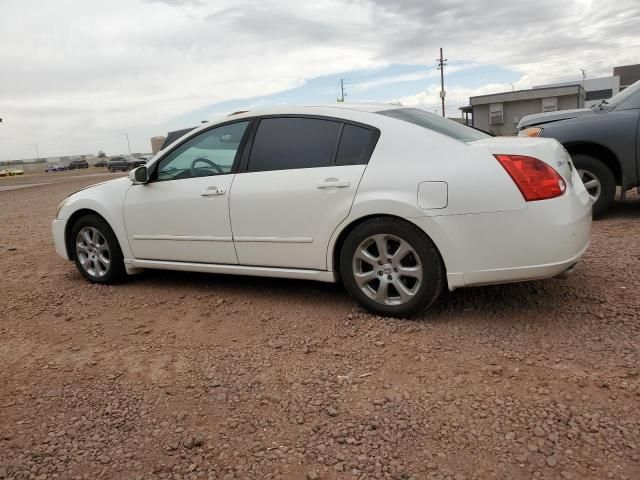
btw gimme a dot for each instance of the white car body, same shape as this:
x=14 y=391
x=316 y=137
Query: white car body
x=286 y=223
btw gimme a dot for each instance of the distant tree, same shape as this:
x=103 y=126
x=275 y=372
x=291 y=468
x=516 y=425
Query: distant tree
x=101 y=154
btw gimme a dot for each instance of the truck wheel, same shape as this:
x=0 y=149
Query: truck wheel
x=598 y=179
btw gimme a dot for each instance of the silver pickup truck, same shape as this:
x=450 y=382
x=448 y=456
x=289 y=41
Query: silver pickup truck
x=603 y=141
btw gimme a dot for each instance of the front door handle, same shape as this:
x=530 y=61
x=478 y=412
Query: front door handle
x=334 y=183
x=210 y=191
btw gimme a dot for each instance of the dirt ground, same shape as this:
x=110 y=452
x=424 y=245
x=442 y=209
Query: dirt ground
x=189 y=376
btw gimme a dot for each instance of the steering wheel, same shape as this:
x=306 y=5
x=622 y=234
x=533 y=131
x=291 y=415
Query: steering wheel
x=213 y=165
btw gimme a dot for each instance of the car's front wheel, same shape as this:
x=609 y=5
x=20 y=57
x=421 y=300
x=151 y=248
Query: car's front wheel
x=391 y=267
x=95 y=250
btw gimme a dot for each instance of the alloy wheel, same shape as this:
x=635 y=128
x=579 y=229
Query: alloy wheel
x=93 y=252
x=591 y=183
x=387 y=269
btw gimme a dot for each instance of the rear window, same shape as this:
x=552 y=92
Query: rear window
x=355 y=145
x=436 y=123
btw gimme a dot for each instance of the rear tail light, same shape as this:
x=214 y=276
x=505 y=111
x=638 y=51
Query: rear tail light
x=535 y=179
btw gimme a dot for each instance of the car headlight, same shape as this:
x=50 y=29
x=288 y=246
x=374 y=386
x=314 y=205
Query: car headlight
x=530 y=132
x=62 y=204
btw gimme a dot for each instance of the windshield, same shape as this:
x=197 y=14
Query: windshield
x=435 y=123
x=621 y=96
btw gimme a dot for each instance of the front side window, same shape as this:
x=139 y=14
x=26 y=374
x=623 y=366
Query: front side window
x=210 y=153
x=293 y=142
x=625 y=99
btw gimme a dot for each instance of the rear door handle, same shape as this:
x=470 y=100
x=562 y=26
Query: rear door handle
x=334 y=183
x=210 y=191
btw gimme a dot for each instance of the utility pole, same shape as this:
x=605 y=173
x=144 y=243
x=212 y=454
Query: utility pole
x=441 y=64
x=37 y=152
x=341 y=97
x=128 y=144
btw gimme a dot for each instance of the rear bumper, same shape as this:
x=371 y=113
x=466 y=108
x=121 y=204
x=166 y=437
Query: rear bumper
x=57 y=228
x=543 y=240
x=520 y=274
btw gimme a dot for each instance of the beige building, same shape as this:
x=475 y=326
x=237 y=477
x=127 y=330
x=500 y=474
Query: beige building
x=156 y=144
x=500 y=113
x=629 y=74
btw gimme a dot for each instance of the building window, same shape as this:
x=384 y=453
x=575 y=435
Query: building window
x=599 y=94
x=495 y=114
x=550 y=104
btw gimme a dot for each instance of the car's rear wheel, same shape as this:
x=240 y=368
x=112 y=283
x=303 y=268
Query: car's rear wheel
x=95 y=250
x=391 y=267
x=599 y=181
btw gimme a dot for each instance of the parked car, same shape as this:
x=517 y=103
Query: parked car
x=101 y=162
x=55 y=168
x=136 y=162
x=116 y=164
x=11 y=172
x=78 y=163
x=397 y=203
x=603 y=142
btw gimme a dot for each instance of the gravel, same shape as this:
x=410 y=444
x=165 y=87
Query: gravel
x=185 y=376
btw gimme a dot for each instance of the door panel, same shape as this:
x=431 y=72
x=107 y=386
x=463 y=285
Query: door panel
x=285 y=218
x=181 y=220
x=183 y=213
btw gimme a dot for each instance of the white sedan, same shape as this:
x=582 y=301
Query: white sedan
x=394 y=202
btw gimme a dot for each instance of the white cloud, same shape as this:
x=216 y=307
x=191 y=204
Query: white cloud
x=75 y=74
x=456 y=96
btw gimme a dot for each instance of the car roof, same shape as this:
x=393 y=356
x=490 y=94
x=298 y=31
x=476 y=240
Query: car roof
x=370 y=107
x=338 y=110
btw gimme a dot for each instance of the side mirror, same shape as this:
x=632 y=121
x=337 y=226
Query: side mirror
x=139 y=176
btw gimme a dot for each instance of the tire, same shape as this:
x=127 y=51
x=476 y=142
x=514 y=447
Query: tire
x=591 y=169
x=420 y=258
x=89 y=256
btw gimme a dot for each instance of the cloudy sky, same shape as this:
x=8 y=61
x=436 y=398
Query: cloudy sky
x=76 y=74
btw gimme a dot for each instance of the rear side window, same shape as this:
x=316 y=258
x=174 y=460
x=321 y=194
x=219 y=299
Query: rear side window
x=290 y=142
x=355 y=145
x=433 y=122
